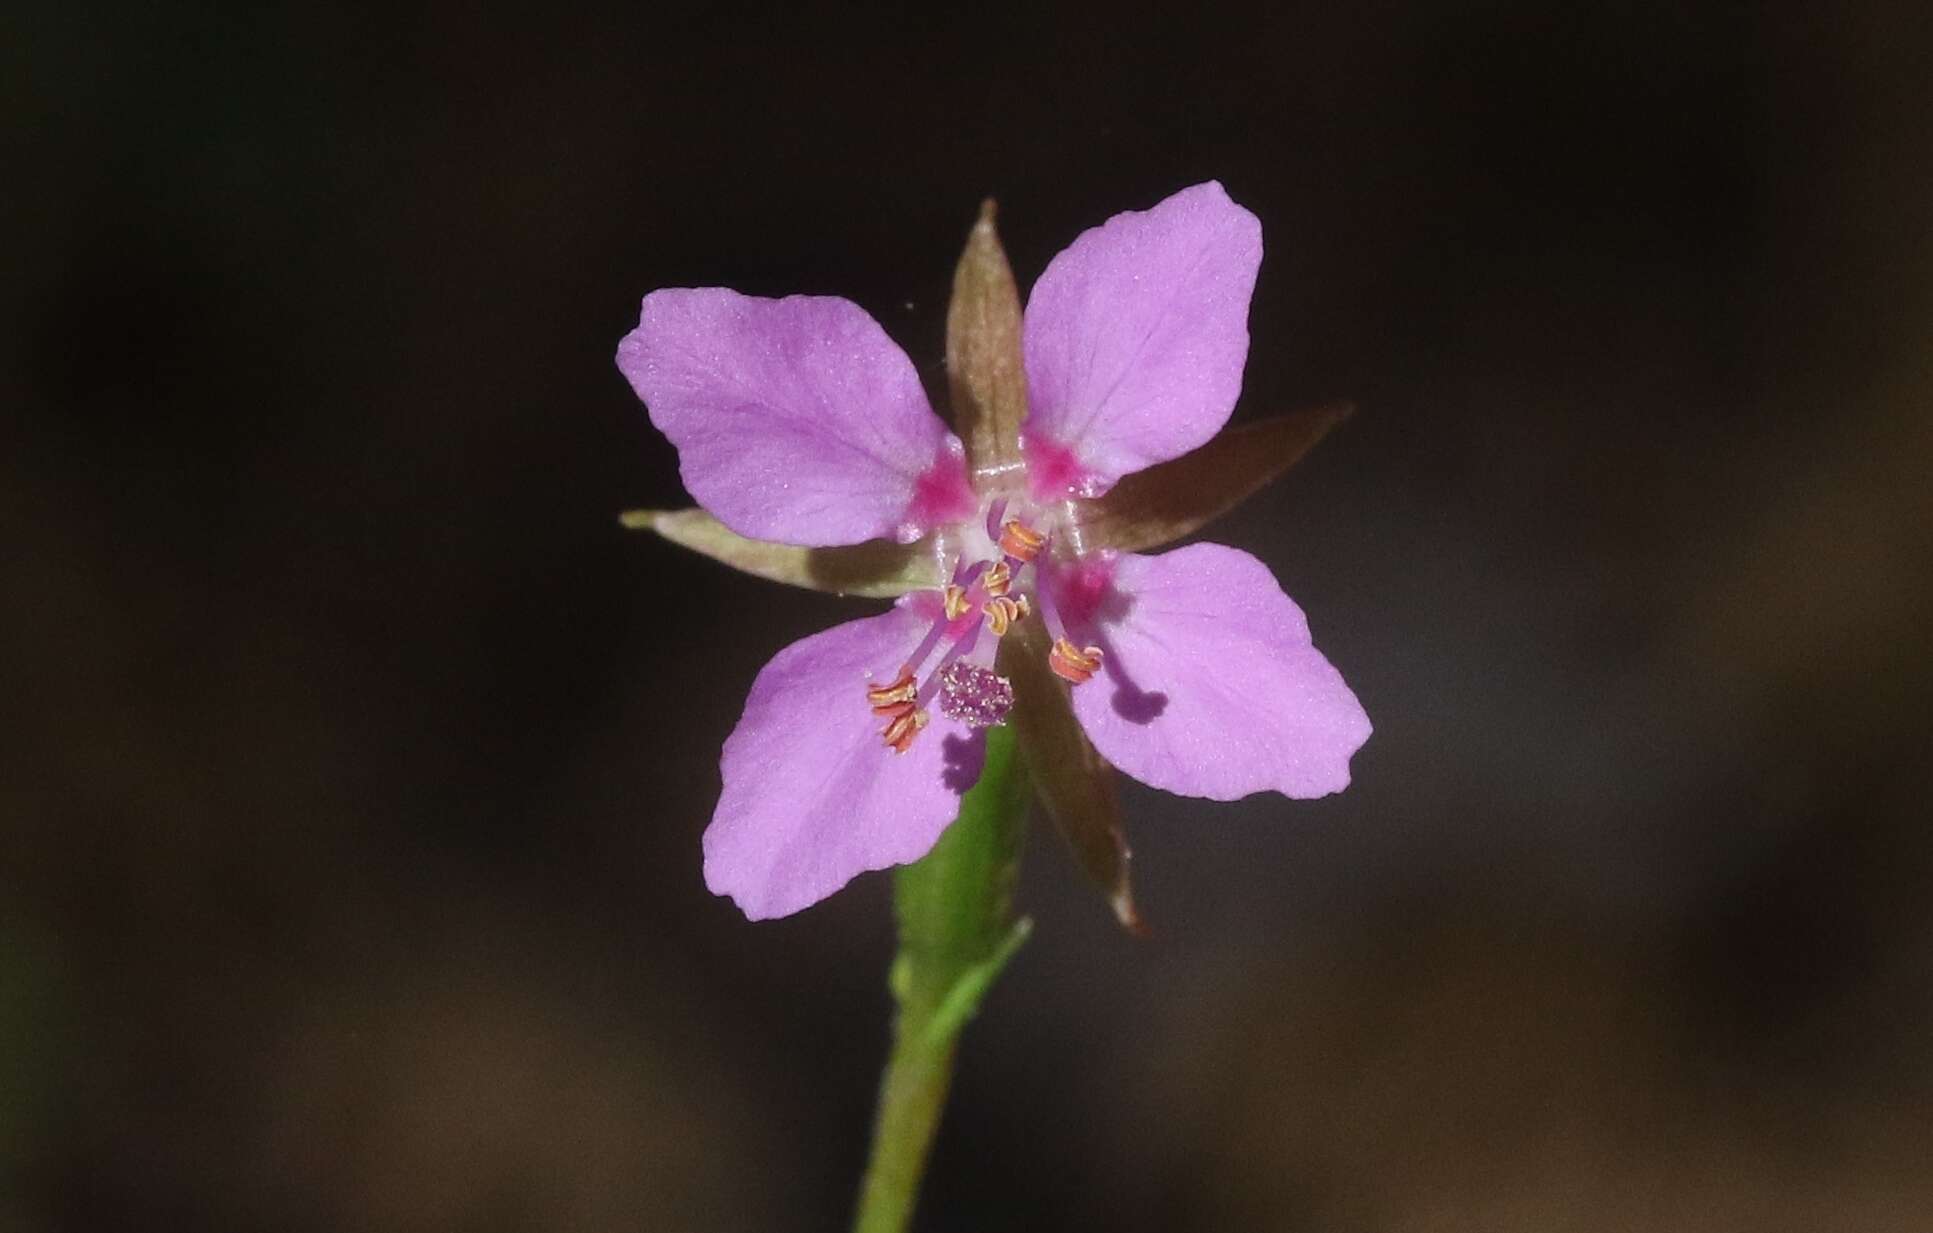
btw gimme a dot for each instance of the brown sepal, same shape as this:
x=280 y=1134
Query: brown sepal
x=876 y=568
x=1172 y=499
x=1074 y=782
x=986 y=378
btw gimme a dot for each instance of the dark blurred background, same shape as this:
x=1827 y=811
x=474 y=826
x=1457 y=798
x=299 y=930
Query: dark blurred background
x=356 y=761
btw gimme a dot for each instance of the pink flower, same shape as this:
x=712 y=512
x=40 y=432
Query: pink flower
x=801 y=427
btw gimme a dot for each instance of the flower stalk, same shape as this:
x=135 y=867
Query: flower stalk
x=956 y=932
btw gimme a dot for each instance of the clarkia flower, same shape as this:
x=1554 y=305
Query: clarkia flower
x=1085 y=432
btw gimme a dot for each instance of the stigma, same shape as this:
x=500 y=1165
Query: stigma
x=975 y=696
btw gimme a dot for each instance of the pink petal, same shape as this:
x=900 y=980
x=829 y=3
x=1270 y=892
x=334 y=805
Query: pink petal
x=812 y=798
x=796 y=420
x=1135 y=339
x=1210 y=686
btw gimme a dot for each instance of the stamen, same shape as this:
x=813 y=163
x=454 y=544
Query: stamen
x=964 y=576
x=995 y=513
x=1020 y=541
x=886 y=699
x=899 y=734
x=954 y=601
x=978 y=596
x=962 y=647
x=1003 y=612
x=1050 y=616
x=1075 y=664
x=998 y=578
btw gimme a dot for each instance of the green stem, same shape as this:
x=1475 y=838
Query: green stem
x=956 y=931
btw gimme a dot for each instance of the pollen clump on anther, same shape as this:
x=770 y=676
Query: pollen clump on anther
x=998 y=579
x=1020 y=541
x=1001 y=613
x=1075 y=664
x=884 y=699
x=900 y=732
x=898 y=705
x=954 y=601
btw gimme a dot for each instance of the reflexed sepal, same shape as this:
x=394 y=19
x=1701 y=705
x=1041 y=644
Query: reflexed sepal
x=1073 y=781
x=876 y=569
x=986 y=378
x=1165 y=502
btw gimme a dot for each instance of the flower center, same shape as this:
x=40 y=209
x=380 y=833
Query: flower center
x=991 y=593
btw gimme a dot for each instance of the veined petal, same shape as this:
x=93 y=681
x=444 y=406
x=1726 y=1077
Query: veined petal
x=1135 y=338
x=812 y=797
x=1210 y=685
x=797 y=420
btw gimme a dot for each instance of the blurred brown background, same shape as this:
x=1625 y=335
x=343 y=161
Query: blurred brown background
x=355 y=761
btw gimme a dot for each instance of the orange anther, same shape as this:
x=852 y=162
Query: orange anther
x=884 y=698
x=1020 y=541
x=899 y=734
x=997 y=579
x=954 y=598
x=1003 y=612
x=1071 y=663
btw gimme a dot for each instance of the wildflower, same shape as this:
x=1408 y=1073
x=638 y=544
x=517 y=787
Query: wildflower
x=803 y=430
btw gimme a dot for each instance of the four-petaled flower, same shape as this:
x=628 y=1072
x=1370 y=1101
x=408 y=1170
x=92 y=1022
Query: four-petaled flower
x=802 y=428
